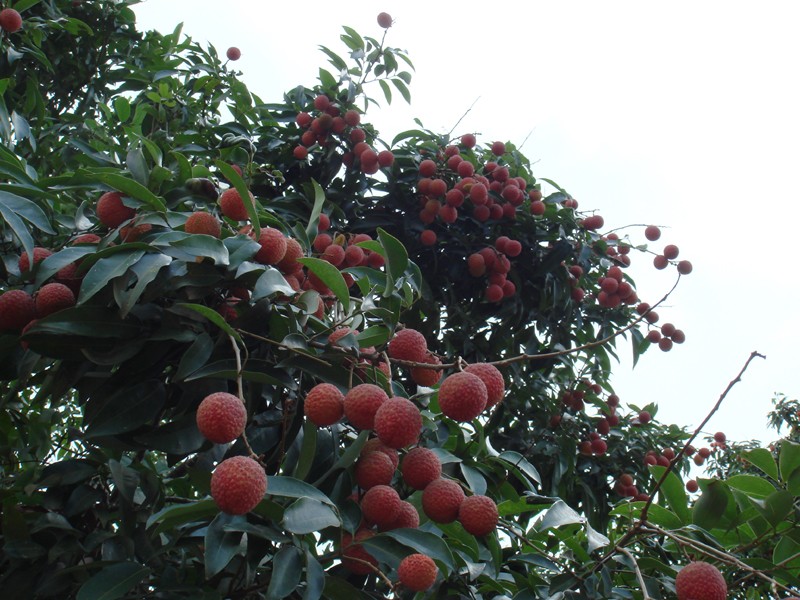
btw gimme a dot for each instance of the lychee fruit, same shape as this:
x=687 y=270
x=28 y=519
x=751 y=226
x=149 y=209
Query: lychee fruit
x=700 y=581
x=398 y=423
x=420 y=467
x=385 y=20
x=232 y=205
x=361 y=403
x=273 y=246
x=17 y=309
x=53 y=297
x=233 y=53
x=203 y=222
x=407 y=518
x=417 y=572
x=380 y=505
x=238 y=484
x=652 y=233
x=372 y=469
x=427 y=377
x=354 y=557
x=324 y=404
x=111 y=211
x=10 y=20
x=492 y=378
x=478 y=514
x=408 y=344
x=293 y=251
x=39 y=254
x=375 y=445
x=221 y=417
x=441 y=500
x=462 y=396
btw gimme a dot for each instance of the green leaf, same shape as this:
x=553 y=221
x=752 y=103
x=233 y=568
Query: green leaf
x=307 y=516
x=173 y=516
x=289 y=487
x=377 y=335
x=18 y=227
x=28 y=210
x=711 y=506
x=789 y=459
x=221 y=544
x=327 y=80
x=558 y=515
x=307 y=451
x=517 y=460
x=123 y=108
x=396 y=258
x=776 y=507
x=113 y=581
x=146 y=271
x=270 y=283
x=126 y=409
x=195 y=357
x=656 y=514
x=762 y=459
x=753 y=486
x=213 y=316
x=231 y=175
x=319 y=201
x=402 y=88
x=106 y=269
x=315 y=578
x=674 y=492
x=137 y=165
x=425 y=543
x=331 y=277
x=131 y=188
x=195 y=246
x=287 y=569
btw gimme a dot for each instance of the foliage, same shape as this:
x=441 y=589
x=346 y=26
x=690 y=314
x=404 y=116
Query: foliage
x=106 y=477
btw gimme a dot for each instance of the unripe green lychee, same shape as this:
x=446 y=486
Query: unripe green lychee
x=478 y=514
x=238 y=484
x=417 y=572
x=442 y=499
x=398 y=423
x=221 y=417
x=462 y=396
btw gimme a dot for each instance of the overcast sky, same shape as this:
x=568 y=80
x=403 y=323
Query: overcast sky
x=682 y=114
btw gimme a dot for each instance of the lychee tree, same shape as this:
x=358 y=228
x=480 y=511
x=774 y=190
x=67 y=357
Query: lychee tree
x=270 y=354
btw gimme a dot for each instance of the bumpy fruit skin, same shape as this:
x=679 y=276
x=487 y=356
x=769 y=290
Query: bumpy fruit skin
x=427 y=377
x=700 y=581
x=238 y=484
x=492 y=378
x=232 y=205
x=420 y=467
x=408 y=344
x=398 y=423
x=478 y=514
x=462 y=396
x=351 y=551
x=380 y=505
x=441 y=500
x=17 y=309
x=39 y=254
x=273 y=246
x=53 y=297
x=324 y=404
x=233 y=53
x=375 y=445
x=11 y=21
x=203 y=222
x=221 y=417
x=417 y=572
x=374 y=469
x=111 y=211
x=407 y=518
x=361 y=403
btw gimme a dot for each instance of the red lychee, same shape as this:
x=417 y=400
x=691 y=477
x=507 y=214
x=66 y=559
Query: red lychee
x=375 y=445
x=427 y=377
x=385 y=20
x=221 y=417
x=354 y=557
x=233 y=53
x=441 y=500
x=204 y=223
x=238 y=484
x=232 y=205
x=462 y=396
x=408 y=344
x=380 y=505
x=478 y=514
x=361 y=403
x=324 y=404
x=17 y=309
x=492 y=378
x=10 y=20
x=408 y=517
x=39 y=254
x=700 y=581
x=273 y=246
x=398 y=422
x=652 y=233
x=53 y=297
x=111 y=211
x=417 y=572
x=374 y=468
x=420 y=467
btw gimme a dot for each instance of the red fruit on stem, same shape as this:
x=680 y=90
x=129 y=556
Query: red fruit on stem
x=221 y=417
x=238 y=484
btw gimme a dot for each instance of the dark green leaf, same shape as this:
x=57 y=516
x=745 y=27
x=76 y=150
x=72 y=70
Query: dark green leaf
x=180 y=514
x=674 y=492
x=131 y=188
x=711 y=505
x=113 y=581
x=126 y=409
x=221 y=544
x=425 y=543
x=271 y=282
x=789 y=459
x=752 y=485
x=287 y=569
x=106 y=269
x=288 y=487
x=331 y=277
x=559 y=514
x=307 y=516
x=213 y=316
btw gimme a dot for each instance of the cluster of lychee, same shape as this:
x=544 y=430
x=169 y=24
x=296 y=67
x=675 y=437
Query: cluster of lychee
x=494 y=263
x=574 y=399
x=670 y=253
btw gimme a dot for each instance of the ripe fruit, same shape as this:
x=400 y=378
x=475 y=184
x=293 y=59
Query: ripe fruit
x=408 y=344
x=111 y=211
x=53 y=297
x=720 y=437
x=238 y=484
x=398 y=423
x=700 y=581
x=354 y=557
x=671 y=251
x=652 y=233
x=361 y=403
x=233 y=53
x=17 y=309
x=660 y=261
x=407 y=517
x=692 y=486
x=417 y=572
x=462 y=396
x=427 y=377
x=273 y=246
x=10 y=20
x=232 y=205
x=498 y=148
x=684 y=267
x=221 y=417
x=324 y=404
x=39 y=254
x=380 y=505
x=372 y=469
x=427 y=237
x=442 y=499
x=385 y=20
x=375 y=445
x=492 y=378
x=420 y=467
x=204 y=223
x=478 y=514
x=644 y=417
x=300 y=152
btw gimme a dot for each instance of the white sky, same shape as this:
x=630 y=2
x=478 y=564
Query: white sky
x=683 y=115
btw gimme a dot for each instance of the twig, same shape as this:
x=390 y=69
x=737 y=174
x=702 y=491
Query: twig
x=283 y=346
x=461 y=118
x=639 y=577
x=240 y=390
